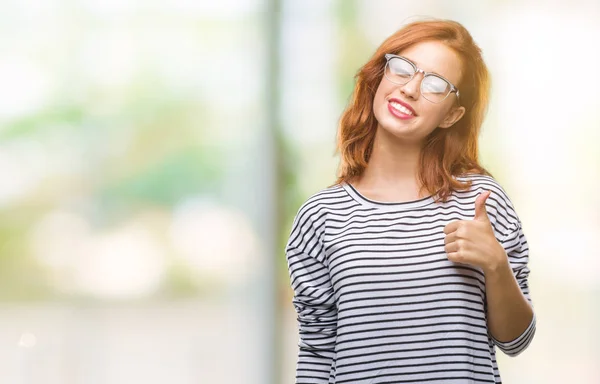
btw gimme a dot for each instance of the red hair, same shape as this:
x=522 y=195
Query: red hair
x=446 y=152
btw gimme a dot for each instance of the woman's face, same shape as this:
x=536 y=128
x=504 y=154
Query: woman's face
x=430 y=56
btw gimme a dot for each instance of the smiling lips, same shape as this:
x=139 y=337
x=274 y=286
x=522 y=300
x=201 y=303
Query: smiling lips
x=400 y=109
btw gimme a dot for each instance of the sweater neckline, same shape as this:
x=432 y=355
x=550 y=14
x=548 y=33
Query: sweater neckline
x=385 y=205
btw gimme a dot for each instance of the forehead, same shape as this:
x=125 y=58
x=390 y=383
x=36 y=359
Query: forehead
x=434 y=56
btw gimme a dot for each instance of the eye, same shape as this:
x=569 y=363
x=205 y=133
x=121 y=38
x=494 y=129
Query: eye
x=434 y=84
x=400 y=67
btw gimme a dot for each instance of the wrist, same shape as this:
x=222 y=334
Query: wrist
x=499 y=267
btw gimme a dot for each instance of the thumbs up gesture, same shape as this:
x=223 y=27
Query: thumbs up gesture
x=473 y=241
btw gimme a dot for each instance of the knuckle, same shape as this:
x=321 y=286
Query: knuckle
x=457 y=256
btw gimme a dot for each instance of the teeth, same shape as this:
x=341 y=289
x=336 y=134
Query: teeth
x=401 y=108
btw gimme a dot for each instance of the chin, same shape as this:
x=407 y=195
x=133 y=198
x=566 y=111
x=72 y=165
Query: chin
x=401 y=131
x=391 y=124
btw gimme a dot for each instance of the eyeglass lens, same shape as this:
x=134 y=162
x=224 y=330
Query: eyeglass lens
x=433 y=88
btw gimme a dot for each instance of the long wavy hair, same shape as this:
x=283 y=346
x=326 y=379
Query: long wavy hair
x=446 y=152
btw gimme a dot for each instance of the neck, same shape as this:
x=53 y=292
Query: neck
x=392 y=163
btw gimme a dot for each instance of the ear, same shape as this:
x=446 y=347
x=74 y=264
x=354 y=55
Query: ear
x=452 y=117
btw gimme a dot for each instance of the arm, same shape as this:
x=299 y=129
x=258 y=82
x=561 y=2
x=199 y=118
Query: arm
x=314 y=302
x=511 y=319
x=503 y=260
x=317 y=317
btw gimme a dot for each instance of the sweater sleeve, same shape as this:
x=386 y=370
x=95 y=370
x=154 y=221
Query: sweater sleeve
x=517 y=249
x=313 y=300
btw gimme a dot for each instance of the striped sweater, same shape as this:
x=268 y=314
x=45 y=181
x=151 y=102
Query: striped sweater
x=377 y=299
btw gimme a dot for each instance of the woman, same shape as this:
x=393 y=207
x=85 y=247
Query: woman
x=412 y=268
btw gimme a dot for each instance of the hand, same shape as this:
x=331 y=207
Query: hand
x=473 y=241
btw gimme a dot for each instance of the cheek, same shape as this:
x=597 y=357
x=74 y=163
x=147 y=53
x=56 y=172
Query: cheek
x=380 y=95
x=379 y=103
x=434 y=114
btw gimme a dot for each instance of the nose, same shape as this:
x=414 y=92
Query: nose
x=413 y=87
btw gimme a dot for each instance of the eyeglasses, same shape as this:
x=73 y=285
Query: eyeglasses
x=434 y=88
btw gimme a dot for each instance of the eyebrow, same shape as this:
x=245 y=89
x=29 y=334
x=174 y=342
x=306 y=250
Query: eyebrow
x=419 y=65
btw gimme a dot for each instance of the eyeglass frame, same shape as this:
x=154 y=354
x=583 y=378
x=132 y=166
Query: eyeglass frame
x=453 y=89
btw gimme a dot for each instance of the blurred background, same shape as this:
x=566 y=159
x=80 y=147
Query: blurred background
x=154 y=153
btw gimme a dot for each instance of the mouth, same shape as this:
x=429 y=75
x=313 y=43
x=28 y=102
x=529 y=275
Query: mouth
x=401 y=109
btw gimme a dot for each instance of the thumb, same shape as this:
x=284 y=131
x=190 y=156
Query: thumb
x=480 y=211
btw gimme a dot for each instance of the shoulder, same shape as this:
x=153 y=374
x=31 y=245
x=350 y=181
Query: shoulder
x=308 y=225
x=314 y=207
x=499 y=205
x=481 y=183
